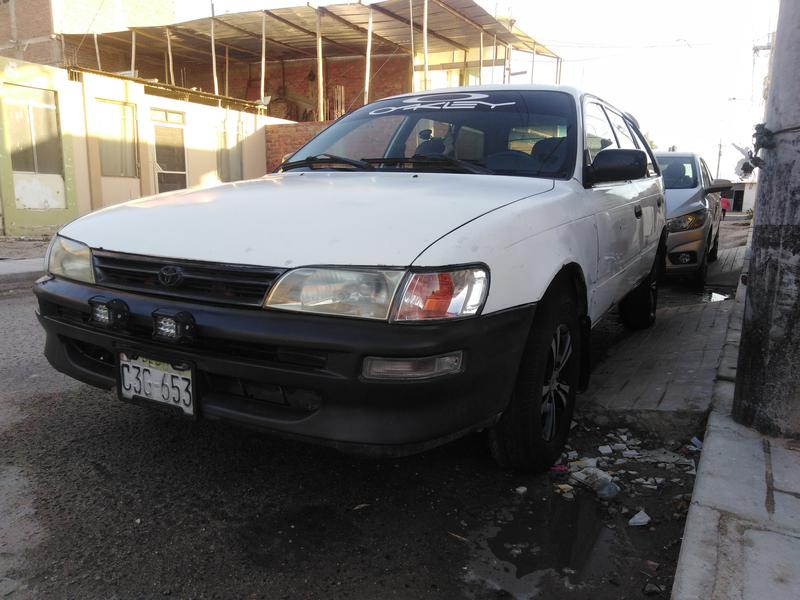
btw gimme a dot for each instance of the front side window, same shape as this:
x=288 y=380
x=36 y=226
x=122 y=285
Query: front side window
x=31 y=116
x=520 y=133
x=679 y=172
x=118 y=141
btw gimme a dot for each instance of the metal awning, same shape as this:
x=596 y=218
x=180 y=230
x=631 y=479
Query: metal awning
x=291 y=32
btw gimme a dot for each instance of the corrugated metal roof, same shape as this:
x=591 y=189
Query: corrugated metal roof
x=291 y=32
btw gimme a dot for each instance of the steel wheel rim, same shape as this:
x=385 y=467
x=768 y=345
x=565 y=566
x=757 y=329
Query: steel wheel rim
x=556 y=388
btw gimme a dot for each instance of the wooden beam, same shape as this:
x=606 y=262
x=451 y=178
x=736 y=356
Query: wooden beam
x=258 y=37
x=425 y=40
x=327 y=40
x=397 y=17
x=361 y=30
x=175 y=44
x=263 y=55
x=133 y=52
x=169 y=55
x=411 y=29
x=480 y=68
x=97 y=52
x=368 y=65
x=214 y=54
x=320 y=72
x=227 y=68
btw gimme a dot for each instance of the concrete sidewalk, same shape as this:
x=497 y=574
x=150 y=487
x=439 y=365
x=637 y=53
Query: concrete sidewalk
x=20 y=273
x=742 y=535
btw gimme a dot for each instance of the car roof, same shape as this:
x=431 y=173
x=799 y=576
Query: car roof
x=677 y=154
x=495 y=88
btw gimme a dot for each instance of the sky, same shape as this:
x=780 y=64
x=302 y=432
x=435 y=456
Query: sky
x=684 y=68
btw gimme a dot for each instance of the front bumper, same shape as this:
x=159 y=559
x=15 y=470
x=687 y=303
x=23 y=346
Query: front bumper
x=300 y=375
x=692 y=242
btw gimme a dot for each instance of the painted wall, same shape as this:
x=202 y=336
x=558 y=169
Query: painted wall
x=211 y=135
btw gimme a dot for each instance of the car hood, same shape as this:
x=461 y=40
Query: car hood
x=305 y=218
x=681 y=202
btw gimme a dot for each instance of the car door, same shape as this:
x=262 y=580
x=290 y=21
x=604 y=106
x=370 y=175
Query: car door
x=617 y=217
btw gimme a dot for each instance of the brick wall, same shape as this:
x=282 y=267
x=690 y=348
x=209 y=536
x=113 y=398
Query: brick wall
x=288 y=137
x=29 y=39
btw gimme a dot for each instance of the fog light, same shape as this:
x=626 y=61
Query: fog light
x=684 y=258
x=108 y=313
x=412 y=368
x=176 y=327
x=101 y=314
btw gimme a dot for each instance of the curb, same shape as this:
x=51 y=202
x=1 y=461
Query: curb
x=16 y=274
x=696 y=573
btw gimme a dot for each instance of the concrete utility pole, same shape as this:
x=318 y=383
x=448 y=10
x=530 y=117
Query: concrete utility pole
x=768 y=376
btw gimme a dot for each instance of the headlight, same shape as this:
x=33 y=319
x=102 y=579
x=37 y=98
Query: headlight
x=688 y=222
x=443 y=295
x=70 y=259
x=353 y=293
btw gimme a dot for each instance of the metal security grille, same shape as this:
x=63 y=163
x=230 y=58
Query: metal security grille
x=217 y=283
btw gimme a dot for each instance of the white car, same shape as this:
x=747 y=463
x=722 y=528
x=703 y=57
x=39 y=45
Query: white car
x=429 y=265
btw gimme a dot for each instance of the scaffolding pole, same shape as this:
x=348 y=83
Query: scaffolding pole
x=480 y=62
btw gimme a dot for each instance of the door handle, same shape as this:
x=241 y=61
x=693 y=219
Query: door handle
x=637 y=210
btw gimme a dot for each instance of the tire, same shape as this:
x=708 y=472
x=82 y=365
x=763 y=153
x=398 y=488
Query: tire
x=638 y=309
x=714 y=253
x=531 y=434
x=698 y=278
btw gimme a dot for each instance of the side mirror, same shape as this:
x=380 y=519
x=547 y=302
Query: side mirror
x=719 y=185
x=616 y=164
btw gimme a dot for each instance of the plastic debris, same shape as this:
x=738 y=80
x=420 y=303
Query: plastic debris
x=619 y=447
x=360 y=506
x=564 y=487
x=559 y=469
x=604 y=450
x=631 y=454
x=640 y=519
x=651 y=589
x=598 y=480
x=572 y=455
x=521 y=490
x=697 y=443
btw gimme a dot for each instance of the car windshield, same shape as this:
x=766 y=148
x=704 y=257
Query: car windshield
x=678 y=172
x=525 y=133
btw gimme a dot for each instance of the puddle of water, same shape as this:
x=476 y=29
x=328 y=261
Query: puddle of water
x=532 y=542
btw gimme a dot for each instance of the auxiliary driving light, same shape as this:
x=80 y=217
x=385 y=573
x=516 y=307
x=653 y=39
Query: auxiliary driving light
x=409 y=369
x=173 y=327
x=108 y=313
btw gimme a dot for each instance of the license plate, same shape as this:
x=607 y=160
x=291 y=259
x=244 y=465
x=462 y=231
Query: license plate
x=162 y=382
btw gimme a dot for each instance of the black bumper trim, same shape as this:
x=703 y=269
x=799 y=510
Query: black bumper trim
x=380 y=417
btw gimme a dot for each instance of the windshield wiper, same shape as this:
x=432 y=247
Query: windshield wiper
x=326 y=159
x=419 y=159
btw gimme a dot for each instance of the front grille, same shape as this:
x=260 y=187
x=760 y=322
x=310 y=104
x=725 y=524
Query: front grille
x=216 y=283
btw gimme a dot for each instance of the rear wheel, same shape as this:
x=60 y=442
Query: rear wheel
x=532 y=431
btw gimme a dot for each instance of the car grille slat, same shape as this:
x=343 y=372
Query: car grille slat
x=215 y=283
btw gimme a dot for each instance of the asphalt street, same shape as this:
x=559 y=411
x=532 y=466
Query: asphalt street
x=102 y=499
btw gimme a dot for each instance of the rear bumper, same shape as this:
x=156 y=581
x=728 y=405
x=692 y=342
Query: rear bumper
x=299 y=375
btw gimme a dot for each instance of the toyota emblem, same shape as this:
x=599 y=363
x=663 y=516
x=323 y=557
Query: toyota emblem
x=170 y=276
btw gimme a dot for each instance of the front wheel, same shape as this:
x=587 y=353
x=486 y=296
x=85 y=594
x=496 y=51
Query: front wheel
x=533 y=430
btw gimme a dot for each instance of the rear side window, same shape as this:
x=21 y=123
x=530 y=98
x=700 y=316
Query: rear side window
x=598 y=132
